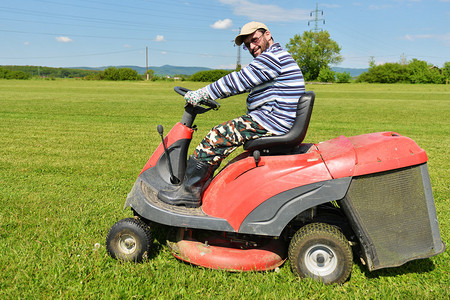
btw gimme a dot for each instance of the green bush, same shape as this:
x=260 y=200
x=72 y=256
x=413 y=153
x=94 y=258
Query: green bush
x=115 y=74
x=446 y=71
x=387 y=73
x=7 y=74
x=209 y=75
x=161 y=78
x=416 y=71
x=94 y=76
x=326 y=75
x=4 y=73
x=110 y=73
x=421 y=72
x=343 y=77
x=129 y=74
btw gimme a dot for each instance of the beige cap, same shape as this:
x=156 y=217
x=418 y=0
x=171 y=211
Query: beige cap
x=248 y=28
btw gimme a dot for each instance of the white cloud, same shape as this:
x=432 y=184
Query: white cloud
x=63 y=39
x=379 y=7
x=163 y=52
x=223 y=24
x=26 y=43
x=330 y=5
x=159 y=38
x=439 y=37
x=127 y=46
x=266 y=12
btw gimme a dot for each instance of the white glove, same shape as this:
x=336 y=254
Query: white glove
x=195 y=97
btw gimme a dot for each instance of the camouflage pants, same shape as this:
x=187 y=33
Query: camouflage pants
x=226 y=137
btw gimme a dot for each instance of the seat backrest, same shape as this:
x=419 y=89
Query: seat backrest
x=295 y=136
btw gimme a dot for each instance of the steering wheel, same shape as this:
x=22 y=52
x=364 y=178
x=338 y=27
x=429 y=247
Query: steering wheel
x=209 y=103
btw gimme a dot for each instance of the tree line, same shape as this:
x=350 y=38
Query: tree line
x=414 y=71
x=314 y=52
x=110 y=73
x=27 y=72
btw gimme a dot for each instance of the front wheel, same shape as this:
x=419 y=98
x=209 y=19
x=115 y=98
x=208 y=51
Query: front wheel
x=129 y=240
x=320 y=251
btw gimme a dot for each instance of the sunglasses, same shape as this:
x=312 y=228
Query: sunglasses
x=254 y=41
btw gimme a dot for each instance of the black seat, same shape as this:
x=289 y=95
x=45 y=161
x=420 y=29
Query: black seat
x=285 y=143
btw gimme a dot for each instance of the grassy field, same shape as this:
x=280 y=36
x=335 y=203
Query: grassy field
x=71 y=150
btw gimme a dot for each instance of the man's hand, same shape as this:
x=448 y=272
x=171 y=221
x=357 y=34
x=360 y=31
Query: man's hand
x=195 y=97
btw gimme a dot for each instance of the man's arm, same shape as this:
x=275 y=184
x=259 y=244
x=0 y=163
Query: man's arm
x=263 y=68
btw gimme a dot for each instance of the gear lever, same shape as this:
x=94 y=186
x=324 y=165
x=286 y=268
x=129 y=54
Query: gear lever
x=173 y=179
x=257 y=156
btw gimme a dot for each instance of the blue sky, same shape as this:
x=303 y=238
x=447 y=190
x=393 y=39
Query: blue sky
x=92 y=33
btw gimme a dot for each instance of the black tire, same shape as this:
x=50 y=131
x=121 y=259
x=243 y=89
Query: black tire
x=129 y=240
x=320 y=251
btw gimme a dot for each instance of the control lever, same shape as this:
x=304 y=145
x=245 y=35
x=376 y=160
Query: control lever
x=257 y=156
x=173 y=179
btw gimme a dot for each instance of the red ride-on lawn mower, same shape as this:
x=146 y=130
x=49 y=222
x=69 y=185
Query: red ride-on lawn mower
x=315 y=204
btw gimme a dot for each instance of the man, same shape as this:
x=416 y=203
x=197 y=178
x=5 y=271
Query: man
x=275 y=83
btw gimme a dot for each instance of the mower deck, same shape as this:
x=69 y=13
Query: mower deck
x=217 y=251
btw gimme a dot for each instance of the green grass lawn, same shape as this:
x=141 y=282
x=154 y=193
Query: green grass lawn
x=70 y=151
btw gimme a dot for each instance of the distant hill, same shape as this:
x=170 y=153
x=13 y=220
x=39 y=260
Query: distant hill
x=163 y=70
x=353 y=71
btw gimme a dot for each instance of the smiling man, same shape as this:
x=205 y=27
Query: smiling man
x=275 y=83
x=256 y=42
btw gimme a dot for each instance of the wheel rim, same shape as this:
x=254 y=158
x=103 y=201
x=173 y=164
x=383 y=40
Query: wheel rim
x=320 y=260
x=127 y=243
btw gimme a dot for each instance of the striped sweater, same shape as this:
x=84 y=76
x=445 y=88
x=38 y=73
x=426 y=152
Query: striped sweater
x=275 y=83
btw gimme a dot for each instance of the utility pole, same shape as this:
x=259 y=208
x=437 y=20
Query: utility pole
x=316 y=17
x=403 y=60
x=238 y=61
x=146 y=61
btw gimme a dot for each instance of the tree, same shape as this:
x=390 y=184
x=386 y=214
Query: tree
x=446 y=71
x=372 y=63
x=314 y=51
x=19 y=75
x=4 y=73
x=150 y=73
x=129 y=74
x=416 y=71
x=7 y=74
x=112 y=73
x=209 y=75
x=422 y=72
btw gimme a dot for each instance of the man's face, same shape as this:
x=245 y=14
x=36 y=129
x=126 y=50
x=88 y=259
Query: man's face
x=258 y=42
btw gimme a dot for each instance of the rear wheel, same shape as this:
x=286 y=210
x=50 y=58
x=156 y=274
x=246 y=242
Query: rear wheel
x=129 y=240
x=320 y=251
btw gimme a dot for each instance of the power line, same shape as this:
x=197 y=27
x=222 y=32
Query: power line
x=106 y=6
x=75 y=35
x=119 y=23
x=99 y=36
x=73 y=55
x=119 y=51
